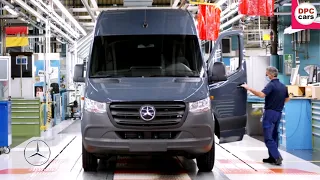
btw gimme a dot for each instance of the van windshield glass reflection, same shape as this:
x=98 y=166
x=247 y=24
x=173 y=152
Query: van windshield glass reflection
x=146 y=56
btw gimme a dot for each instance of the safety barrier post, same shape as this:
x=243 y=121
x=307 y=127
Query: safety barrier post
x=48 y=124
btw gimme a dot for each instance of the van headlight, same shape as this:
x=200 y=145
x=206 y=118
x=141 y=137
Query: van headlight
x=94 y=106
x=200 y=106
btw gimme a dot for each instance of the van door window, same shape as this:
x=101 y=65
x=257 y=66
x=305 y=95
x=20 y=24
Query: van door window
x=228 y=53
x=146 y=56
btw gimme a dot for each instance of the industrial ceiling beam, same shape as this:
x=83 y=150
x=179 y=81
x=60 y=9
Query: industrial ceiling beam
x=95 y=5
x=84 y=50
x=69 y=16
x=46 y=10
x=230 y=7
x=36 y=14
x=237 y=18
x=59 y=18
x=91 y=13
x=87 y=23
x=23 y=17
x=29 y=36
x=83 y=46
x=83 y=17
x=175 y=3
x=122 y=8
x=84 y=54
x=232 y=12
x=83 y=40
x=9 y=17
x=220 y=2
x=289 y=4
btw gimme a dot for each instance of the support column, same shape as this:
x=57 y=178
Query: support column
x=71 y=68
x=49 y=120
x=274 y=34
x=75 y=53
x=3 y=37
x=1 y=31
x=68 y=67
x=274 y=41
x=47 y=51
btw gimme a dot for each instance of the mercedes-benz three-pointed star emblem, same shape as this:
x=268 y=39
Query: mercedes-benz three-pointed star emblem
x=40 y=152
x=147 y=112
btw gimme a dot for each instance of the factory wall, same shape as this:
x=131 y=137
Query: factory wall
x=309 y=53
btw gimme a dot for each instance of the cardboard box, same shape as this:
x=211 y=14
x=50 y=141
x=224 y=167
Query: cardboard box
x=296 y=91
x=308 y=91
x=315 y=92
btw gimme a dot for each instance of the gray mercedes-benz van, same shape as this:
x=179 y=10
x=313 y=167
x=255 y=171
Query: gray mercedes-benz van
x=149 y=90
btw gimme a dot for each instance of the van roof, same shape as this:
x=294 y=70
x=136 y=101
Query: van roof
x=158 y=21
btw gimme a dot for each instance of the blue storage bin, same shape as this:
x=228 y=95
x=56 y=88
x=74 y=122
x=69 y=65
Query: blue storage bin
x=5 y=124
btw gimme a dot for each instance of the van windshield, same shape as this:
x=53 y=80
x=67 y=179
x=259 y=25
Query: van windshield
x=146 y=56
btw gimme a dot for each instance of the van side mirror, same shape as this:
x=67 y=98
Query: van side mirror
x=217 y=72
x=78 y=73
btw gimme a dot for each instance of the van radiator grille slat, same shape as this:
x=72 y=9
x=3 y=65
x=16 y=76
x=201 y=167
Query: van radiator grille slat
x=167 y=113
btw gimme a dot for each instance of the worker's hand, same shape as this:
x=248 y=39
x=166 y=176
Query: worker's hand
x=245 y=86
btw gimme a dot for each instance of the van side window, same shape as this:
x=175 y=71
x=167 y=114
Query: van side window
x=228 y=53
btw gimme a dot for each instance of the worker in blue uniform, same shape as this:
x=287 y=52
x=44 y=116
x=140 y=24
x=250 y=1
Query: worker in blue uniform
x=276 y=95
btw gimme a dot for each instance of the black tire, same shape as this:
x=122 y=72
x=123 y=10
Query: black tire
x=89 y=161
x=205 y=162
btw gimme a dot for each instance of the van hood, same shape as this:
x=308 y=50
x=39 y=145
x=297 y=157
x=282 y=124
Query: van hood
x=146 y=89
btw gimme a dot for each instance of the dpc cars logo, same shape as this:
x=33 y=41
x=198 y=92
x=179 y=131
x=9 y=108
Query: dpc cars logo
x=304 y=16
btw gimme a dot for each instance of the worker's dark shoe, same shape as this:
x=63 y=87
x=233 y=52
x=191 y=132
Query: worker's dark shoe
x=269 y=160
x=278 y=161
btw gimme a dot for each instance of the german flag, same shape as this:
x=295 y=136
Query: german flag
x=17 y=36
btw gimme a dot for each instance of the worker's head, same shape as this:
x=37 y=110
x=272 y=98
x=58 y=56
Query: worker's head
x=271 y=72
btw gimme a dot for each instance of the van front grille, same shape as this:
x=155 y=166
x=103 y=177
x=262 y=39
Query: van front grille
x=166 y=113
x=147 y=135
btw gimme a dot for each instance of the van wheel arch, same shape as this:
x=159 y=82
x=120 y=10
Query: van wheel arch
x=216 y=127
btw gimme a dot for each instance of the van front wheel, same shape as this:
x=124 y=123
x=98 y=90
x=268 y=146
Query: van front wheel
x=205 y=162
x=89 y=161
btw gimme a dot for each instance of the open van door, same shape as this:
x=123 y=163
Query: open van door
x=226 y=72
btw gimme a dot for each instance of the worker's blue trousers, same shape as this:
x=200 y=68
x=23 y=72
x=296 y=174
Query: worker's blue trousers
x=270 y=122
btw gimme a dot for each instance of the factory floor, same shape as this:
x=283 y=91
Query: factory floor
x=238 y=160
x=312 y=156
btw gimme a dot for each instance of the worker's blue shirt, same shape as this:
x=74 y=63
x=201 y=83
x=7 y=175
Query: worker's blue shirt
x=276 y=93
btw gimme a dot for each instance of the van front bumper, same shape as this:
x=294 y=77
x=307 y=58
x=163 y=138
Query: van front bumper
x=194 y=136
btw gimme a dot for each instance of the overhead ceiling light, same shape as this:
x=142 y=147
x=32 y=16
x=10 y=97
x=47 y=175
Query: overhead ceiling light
x=69 y=16
x=11 y=11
